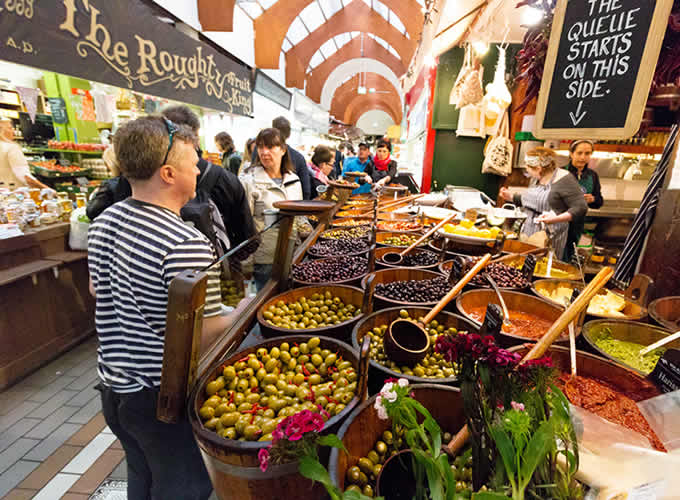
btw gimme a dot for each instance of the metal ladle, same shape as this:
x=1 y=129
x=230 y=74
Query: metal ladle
x=403 y=333
x=494 y=285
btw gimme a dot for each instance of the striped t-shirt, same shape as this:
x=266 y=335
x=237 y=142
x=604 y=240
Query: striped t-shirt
x=134 y=250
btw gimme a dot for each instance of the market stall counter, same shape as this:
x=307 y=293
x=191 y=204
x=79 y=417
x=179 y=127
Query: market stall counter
x=45 y=304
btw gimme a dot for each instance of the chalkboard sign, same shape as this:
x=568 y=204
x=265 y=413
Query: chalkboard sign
x=58 y=110
x=666 y=373
x=599 y=67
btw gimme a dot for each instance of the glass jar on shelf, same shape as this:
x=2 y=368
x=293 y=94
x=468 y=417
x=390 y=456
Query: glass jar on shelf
x=81 y=200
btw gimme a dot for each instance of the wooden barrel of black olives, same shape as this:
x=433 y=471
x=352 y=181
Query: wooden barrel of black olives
x=363 y=429
x=233 y=464
x=348 y=295
x=423 y=259
x=379 y=369
x=389 y=277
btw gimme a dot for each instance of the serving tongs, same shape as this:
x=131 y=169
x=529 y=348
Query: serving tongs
x=396 y=257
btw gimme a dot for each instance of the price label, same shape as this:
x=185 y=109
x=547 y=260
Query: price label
x=666 y=373
x=493 y=321
x=528 y=267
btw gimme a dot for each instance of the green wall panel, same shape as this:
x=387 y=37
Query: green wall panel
x=458 y=160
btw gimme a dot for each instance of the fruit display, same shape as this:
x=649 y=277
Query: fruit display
x=331 y=248
x=251 y=396
x=53 y=166
x=330 y=270
x=345 y=234
x=313 y=312
x=505 y=277
x=351 y=222
x=467 y=228
x=231 y=293
x=414 y=291
x=75 y=146
x=432 y=366
x=399 y=226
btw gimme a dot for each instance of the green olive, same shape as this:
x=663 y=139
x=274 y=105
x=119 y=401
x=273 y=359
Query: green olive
x=212 y=423
x=354 y=488
x=229 y=372
x=368 y=491
x=353 y=475
x=365 y=465
x=381 y=447
x=229 y=433
x=221 y=409
x=229 y=419
x=373 y=457
x=206 y=412
x=252 y=432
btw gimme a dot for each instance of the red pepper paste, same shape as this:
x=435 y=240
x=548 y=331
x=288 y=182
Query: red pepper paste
x=521 y=324
x=602 y=400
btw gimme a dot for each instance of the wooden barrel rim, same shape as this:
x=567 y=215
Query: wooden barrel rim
x=309 y=331
x=652 y=309
x=387 y=234
x=410 y=378
x=333 y=460
x=202 y=434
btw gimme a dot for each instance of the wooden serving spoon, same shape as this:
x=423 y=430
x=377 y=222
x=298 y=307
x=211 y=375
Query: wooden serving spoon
x=533 y=251
x=394 y=203
x=540 y=347
x=396 y=258
x=660 y=343
x=403 y=334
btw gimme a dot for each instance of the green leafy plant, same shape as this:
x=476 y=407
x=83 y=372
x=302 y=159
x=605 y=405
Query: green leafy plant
x=424 y=439
x=298 y=438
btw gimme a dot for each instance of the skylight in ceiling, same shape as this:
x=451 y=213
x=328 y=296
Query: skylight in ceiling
x=297 y=31
x=267 y=3
x=252 y=9
x=312 y=16
x=330 y=7
x=330 y=47
x=316 y=59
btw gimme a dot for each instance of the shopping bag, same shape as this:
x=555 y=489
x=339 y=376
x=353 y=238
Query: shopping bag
x=498 y=152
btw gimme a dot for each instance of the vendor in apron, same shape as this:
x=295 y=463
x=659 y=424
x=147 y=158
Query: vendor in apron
x=554 y=198
x=579 y=156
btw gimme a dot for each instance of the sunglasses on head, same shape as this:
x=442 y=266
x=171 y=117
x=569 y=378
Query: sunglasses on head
x=172 y=129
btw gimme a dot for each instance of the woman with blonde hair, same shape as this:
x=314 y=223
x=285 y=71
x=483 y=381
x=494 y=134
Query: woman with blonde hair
x=554 y=198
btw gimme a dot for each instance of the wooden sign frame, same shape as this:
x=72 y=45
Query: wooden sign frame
x=650 y=56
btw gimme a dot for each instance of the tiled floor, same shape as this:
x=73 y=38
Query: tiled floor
x=54 y=442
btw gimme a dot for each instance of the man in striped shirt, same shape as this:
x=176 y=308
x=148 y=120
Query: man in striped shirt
x=135 y=248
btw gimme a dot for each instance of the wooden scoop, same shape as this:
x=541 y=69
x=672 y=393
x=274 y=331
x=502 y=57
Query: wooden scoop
x=396 y=258
x=540 y=347
x=407 y=340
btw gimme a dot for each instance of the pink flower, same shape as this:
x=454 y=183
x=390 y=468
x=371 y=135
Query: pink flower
x=517 y=406
x=402 y=382
x=277 y=435
x=378 y=405
x=263 y=457
x=391 y=380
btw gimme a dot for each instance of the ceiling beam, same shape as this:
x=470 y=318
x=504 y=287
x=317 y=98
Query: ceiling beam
x=216 y=15
x=357 y=16
x=363 y=103
x=346 y=93
x=351 y=50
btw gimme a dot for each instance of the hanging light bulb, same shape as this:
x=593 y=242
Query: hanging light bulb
x=480 y=48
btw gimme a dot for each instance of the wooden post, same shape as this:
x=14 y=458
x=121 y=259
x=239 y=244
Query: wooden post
x=184 y=321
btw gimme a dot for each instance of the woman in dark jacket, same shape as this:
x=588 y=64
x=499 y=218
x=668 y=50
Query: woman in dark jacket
x=383 y=168
x=320 y=167
x=230 y=158
x=579 y=155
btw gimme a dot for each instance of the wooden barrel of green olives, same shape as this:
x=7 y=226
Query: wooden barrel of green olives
x=433 y=369
x=334 y=308
x=397 y=240
x=530 y=317
x=368 y=439
x=388 y=277
x=351 y=221
x=229 y=444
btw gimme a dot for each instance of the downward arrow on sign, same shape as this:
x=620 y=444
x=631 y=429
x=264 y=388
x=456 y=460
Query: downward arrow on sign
x=576 y=119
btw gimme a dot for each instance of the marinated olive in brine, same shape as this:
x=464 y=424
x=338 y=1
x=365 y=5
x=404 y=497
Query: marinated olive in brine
x=315 y=311
x=248 y=399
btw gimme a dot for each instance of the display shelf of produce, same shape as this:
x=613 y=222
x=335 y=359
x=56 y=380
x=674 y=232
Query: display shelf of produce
x=624 y=148
x=51 y=150
x=46 y=172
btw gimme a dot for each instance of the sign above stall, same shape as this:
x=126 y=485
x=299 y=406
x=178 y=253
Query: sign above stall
x=599 y=67
x=122 y=43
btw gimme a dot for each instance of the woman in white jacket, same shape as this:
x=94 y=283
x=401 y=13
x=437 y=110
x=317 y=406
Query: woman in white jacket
x=270 y=180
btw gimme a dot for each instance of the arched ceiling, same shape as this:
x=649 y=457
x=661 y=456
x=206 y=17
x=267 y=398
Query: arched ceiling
x=382 y=87
x=375 y=122
x=346 y=70
x=362 y=103
x=325 y=40
x=357 y=16
x=353 y=50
